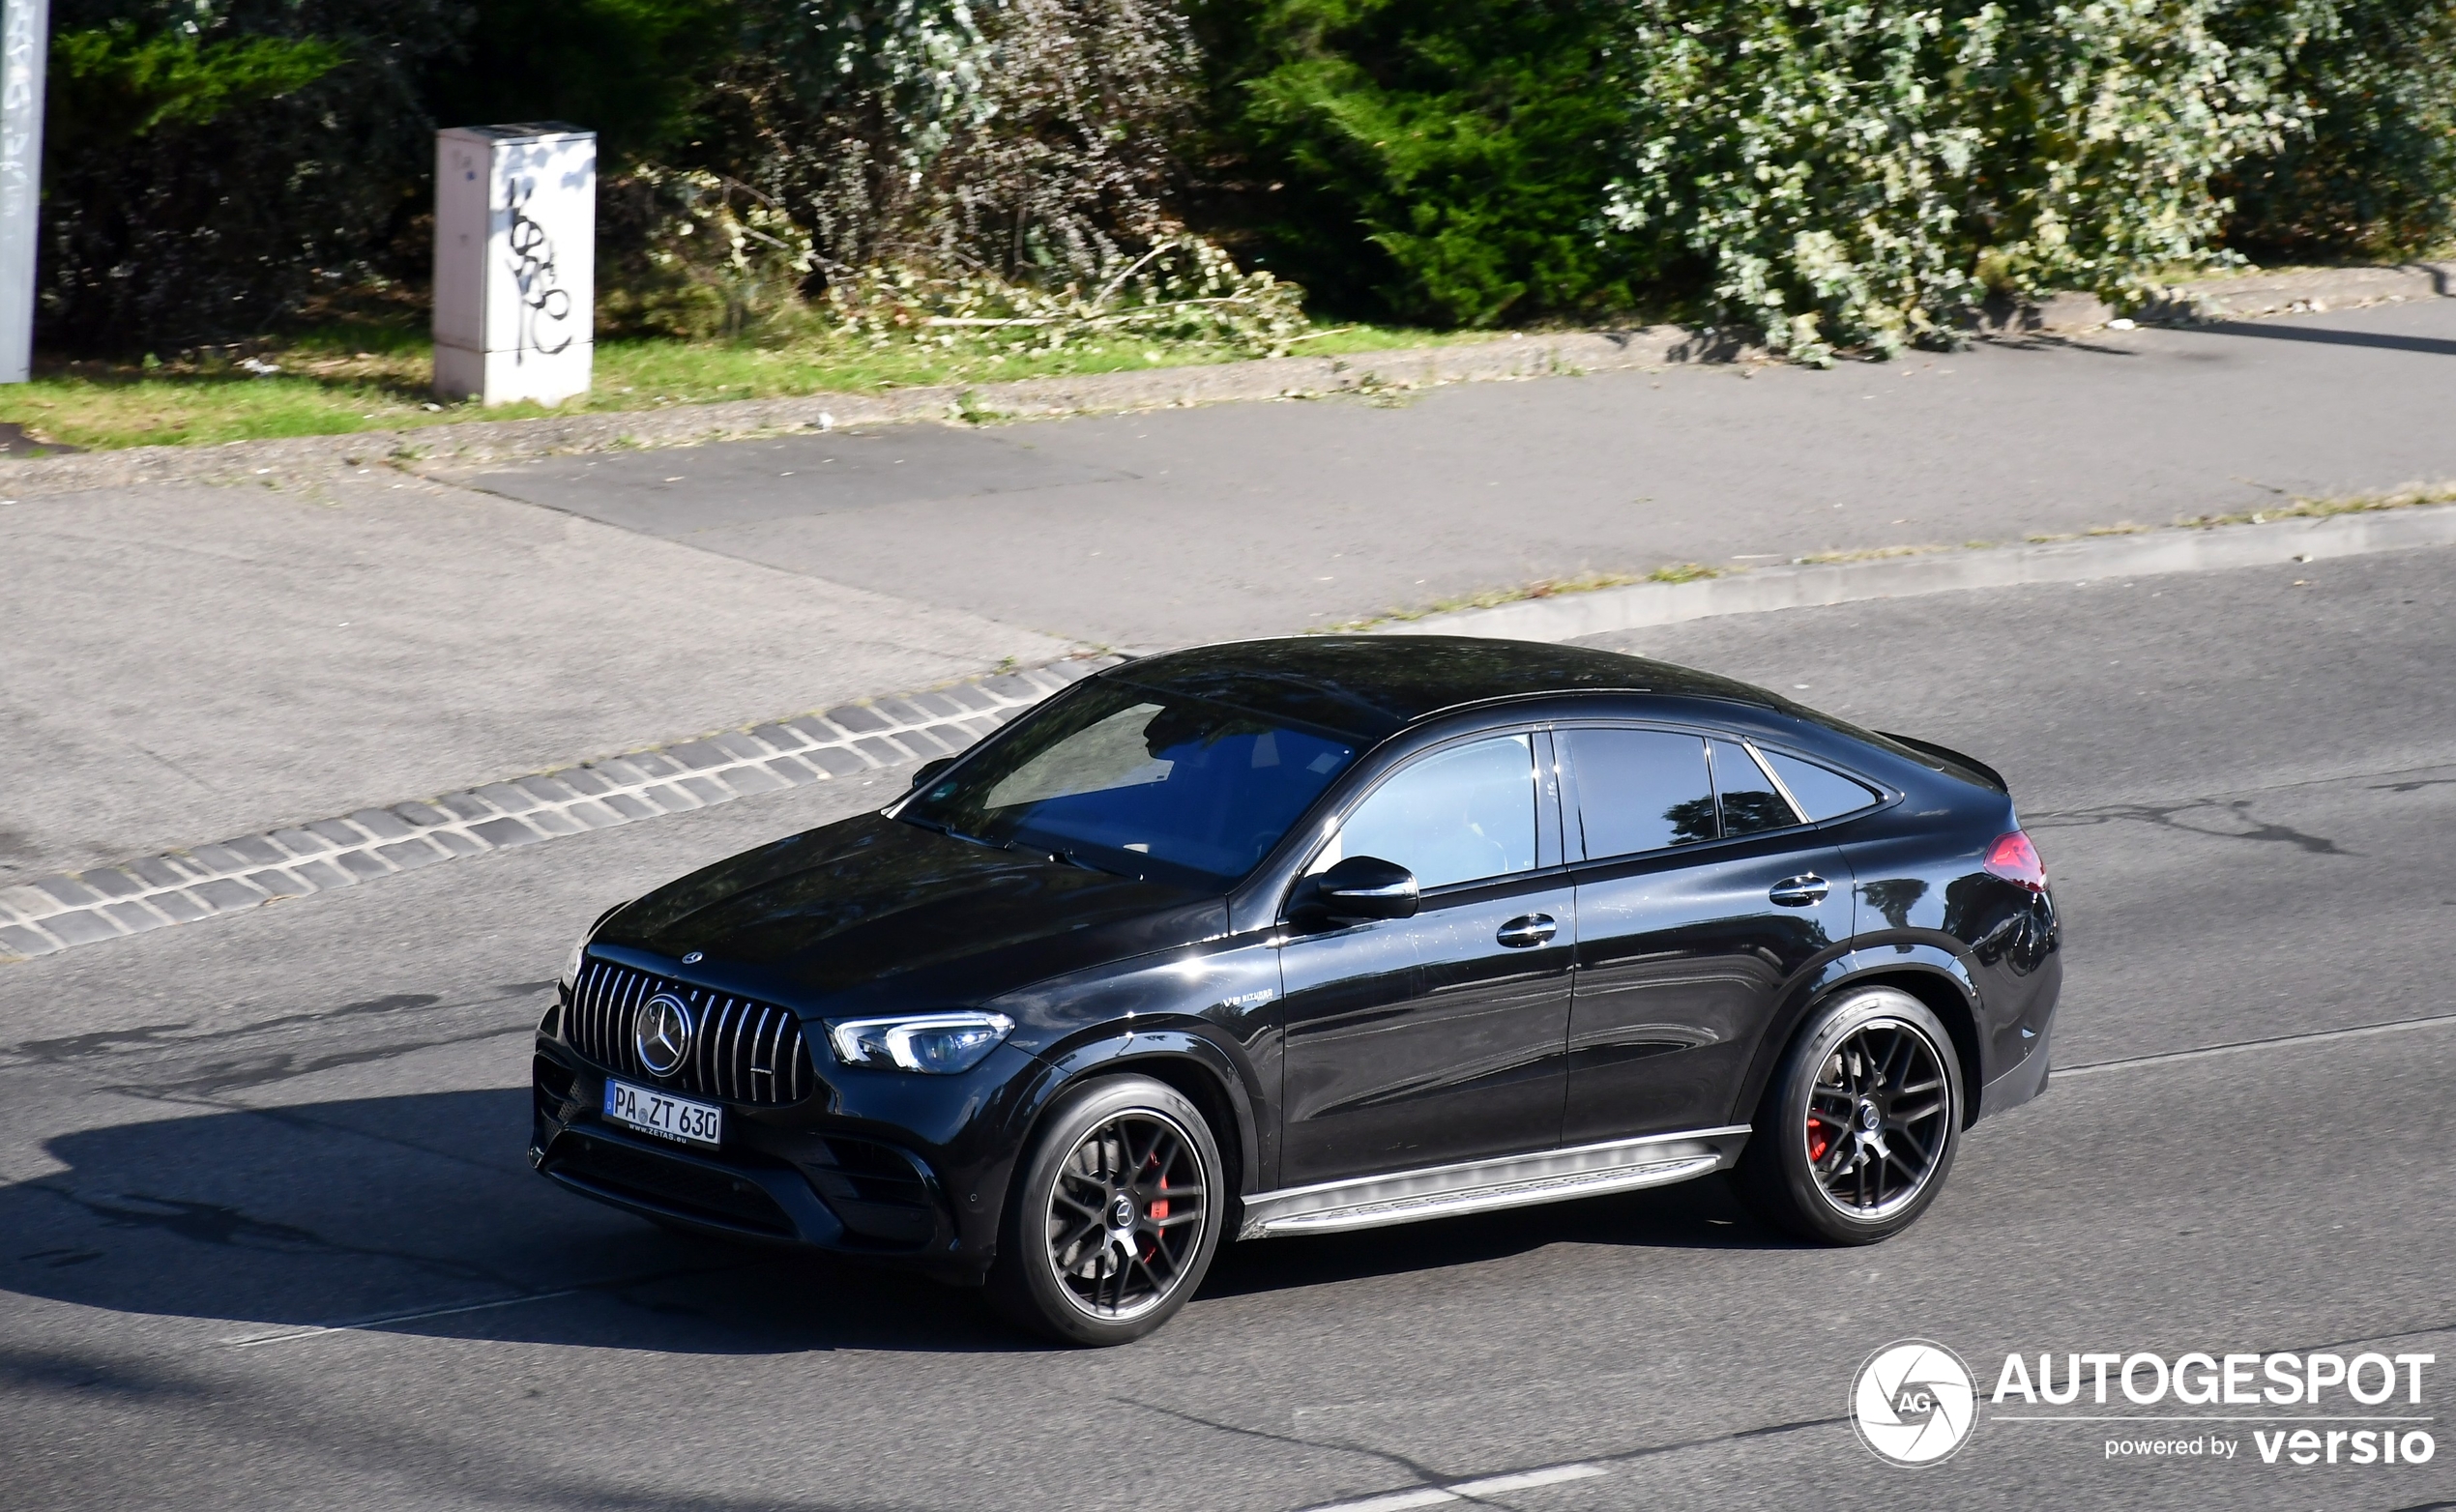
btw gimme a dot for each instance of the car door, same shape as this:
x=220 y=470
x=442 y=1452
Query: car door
x=1423 y=1041
x=1701 y=892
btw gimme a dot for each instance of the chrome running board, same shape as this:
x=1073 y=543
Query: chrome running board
x=1548 y=1176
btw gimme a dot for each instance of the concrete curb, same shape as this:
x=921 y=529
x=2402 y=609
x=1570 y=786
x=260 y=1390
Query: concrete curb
x=478 y=442
x=50 y=913
x=2181 y=549
x=488 y=442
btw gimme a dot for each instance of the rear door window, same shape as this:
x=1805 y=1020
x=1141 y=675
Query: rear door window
x=1641 y=790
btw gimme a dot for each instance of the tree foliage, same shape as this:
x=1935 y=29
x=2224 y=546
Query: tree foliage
x=210 y=163
x=1860 y=174
x=1442 y=160
x=2375 y=174
x=1837 y=173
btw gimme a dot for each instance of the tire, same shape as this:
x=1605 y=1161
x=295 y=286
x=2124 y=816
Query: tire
x=1066 y=1267
x=1814 y=1166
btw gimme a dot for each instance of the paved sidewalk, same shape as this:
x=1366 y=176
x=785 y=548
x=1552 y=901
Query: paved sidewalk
x=1170 y=527
x=182 y=663
x=187 y=663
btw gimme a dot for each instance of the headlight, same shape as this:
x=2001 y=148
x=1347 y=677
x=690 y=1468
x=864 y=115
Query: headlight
x=941 y=1043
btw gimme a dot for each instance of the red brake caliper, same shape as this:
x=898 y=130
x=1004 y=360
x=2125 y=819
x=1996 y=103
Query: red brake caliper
x=1159 y=1206
x=1817 y=1138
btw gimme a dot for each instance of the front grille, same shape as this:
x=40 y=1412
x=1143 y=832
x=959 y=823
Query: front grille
x=671 y=1184
x=741 y=1050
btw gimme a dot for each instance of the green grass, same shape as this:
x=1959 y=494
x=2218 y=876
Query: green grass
x=374 y=378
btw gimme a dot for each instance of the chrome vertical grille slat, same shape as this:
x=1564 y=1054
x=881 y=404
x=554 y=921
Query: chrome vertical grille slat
x=736 y=1042
x=758 y=1038
x=736 y=1011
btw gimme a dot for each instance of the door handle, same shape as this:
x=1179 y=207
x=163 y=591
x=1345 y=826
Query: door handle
x=1527 y=929
x=1802 y=892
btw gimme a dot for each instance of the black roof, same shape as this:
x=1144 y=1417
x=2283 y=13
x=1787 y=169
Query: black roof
x=1375 y=686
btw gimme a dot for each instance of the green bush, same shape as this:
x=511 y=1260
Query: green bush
x=1440 y=161
x=2375 y=175
x=207 y=169
x=1863 y=175
x=1838 y=173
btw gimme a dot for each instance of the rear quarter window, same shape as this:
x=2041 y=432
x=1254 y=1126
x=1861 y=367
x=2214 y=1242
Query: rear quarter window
x=1822 y=792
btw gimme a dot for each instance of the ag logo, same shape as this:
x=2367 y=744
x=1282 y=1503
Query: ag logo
x=1913 y=1403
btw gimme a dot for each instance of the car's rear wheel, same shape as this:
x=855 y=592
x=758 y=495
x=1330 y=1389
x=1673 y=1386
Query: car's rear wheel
x=1114 y=1218
x=1859 y=1126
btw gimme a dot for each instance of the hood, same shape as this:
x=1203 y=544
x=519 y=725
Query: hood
x=872 y=912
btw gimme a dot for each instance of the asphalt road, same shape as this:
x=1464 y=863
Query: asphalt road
x=1176 y=527
x=220 y=1142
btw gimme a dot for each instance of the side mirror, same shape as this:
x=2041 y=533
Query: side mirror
x=1359 y=888
x=923 y=773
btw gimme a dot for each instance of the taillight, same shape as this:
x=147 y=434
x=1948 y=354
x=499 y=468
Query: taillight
x=2015 y=859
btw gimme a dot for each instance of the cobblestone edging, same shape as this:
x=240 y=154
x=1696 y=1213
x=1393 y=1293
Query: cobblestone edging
x=180 y=887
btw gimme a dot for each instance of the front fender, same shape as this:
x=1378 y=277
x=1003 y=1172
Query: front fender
x=1164 y=1051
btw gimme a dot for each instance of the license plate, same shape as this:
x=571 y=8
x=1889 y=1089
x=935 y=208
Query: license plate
x=664 y=1114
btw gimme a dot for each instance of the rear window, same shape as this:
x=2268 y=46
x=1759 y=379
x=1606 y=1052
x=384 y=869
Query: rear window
x=1823 y=793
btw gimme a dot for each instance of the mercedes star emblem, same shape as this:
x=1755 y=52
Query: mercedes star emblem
x=662 y=1033
x=692 y=959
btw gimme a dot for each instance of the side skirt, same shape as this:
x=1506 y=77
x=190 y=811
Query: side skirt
x=1548 y=1176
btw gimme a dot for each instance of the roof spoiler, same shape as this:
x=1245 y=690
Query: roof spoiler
x=1970 y=764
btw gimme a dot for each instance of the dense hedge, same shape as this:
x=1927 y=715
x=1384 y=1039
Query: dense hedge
x=1835 y=172
x=207 y=169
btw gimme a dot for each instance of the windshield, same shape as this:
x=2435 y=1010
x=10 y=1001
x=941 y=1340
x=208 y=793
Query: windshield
x=1140 y=783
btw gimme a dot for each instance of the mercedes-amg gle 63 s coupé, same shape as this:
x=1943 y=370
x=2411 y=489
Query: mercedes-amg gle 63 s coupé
x=1299 y=935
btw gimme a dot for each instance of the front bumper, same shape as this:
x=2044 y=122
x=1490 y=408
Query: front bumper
x=783 y=1176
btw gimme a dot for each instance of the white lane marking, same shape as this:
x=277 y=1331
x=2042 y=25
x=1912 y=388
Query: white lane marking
x=1493 y=1485
x=2363 y=1031
x=246 y=1341
x=1464 y=1490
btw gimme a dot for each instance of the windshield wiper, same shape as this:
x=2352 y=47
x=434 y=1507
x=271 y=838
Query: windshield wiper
x=954 y=834
x=1062 y=857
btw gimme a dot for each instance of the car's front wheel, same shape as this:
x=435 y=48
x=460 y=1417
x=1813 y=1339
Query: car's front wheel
x=1114 y=1218
x=1860 y=1125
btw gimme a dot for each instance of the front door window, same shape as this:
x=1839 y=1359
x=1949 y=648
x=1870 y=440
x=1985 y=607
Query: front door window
x=1458 y=815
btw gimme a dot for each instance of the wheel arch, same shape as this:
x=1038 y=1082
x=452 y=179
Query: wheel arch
x=1183 y=1060
x=1936 y=978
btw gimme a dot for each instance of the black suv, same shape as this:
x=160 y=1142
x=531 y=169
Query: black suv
x=1290 y=937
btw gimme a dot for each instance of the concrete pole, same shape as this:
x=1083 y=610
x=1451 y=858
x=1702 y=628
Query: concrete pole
x=25 y=45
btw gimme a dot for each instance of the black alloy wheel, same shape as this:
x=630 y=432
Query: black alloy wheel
x=1861 y=1124
x=1113 y=1222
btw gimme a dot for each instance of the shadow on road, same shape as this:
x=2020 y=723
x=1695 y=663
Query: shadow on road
x=2271 y=332
x=415 y=1214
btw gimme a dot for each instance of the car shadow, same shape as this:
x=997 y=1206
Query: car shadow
x=417 y=1215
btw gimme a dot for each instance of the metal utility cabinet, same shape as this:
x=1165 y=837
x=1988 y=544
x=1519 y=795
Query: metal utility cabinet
x=515 y=260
